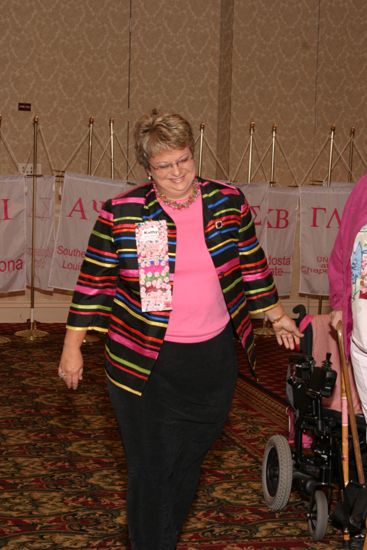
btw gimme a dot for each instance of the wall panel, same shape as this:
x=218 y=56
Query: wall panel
x=274 y=61
x=174 y=61
x=70 y=61
x=342 y=82
x=301 y=65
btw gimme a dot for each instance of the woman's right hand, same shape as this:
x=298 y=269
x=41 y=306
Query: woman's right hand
x=335 y=316
x=71 y=362
x=71 y=368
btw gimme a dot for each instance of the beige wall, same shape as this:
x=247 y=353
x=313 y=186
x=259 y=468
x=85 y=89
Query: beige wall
x=174 y=61
x=70 y=60
x=300 y=64
x=274 y=64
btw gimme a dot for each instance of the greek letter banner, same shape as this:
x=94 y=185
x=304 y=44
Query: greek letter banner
x=40 y=215
x=281 y=222
x=82 y=199
x=257 y=196
x=321 y=210
x=274 y=211
x=12 y=234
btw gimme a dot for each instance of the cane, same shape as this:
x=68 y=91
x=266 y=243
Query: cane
x=352 y=418
x=345 y=429
x=345 y=446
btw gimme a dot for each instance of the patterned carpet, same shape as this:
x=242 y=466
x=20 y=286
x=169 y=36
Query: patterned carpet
x=271 y=368
x=62 y=472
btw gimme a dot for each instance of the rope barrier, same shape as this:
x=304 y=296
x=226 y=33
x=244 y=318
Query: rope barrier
x=251 y=149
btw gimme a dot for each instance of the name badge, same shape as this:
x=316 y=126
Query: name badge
x=152 y=249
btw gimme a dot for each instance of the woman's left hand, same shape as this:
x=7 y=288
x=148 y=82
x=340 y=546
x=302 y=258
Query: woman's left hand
x=286 y=332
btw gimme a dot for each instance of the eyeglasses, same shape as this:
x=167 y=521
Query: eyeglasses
x=166 y=167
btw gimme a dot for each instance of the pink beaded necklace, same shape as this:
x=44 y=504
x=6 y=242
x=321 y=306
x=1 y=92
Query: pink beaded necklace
x=179 y=204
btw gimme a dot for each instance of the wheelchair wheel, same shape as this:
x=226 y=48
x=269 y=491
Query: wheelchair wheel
x=277 y=472
x=318 y=516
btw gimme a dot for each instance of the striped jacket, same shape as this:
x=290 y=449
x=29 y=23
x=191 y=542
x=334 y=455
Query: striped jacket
x=107 y=298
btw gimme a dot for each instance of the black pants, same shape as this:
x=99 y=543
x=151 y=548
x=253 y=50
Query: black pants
x=167 y=432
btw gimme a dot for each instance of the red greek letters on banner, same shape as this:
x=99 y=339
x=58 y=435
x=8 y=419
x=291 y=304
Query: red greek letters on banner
x=274 y=211
x=281 y=231
x=82 y=199
x=12 y=234
x=42 y=213
x=257 y=196
x=321 y=210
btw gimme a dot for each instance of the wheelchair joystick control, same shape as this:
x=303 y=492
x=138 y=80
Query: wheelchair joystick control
x=330 y=376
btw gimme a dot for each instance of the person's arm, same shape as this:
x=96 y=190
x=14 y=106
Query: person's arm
x=259 y=284
x=336 y=281
x=285 y=328
x=94 y=292
x=335 y=273
x=93 y=296
x=71 y=361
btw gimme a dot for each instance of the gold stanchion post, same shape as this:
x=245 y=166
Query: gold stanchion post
x=3 y=339
x=112 y=122
x=90 y=338
x=273 y=141
x=331 y=151
x=33 y=332
x=351 y=151
x=252 y=131
x=202 y=127
x=90 y=145
x=266 y=329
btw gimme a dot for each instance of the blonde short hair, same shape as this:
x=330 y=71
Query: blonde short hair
x=155 y=133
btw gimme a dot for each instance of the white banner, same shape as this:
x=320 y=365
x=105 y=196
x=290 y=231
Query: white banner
x=280 y=235
x=41 y=216
x=82 y=199
x=12 y=234
x=321 y=209
x=274 y=211
x=257 y=197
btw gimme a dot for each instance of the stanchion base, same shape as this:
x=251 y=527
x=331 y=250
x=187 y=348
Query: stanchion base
x=265 y=331
x=31 y=334
x=4 y=340
x=91 y=338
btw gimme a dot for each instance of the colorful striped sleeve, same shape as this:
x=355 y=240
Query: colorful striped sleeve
x=96 y=285
x=260 y=289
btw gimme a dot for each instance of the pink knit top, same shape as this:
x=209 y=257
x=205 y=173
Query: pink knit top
x=199 y=311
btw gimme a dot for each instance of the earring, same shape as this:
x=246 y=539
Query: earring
x=150 y=177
